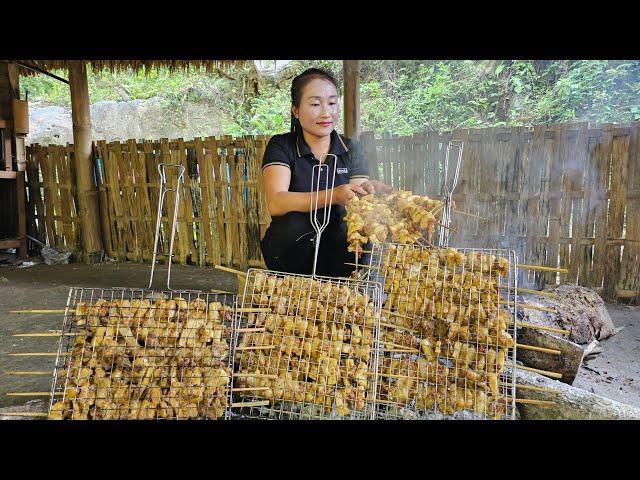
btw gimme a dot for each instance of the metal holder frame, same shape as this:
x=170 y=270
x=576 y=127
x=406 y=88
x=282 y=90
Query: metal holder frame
x=162 y=167
x=313 y=353
x=136 y=354
x=175 y=331
x=448 y=186
x=469 y=373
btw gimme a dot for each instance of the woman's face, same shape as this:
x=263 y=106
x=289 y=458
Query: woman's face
x=318 y=111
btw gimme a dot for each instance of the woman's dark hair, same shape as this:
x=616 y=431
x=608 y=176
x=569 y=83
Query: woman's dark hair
x=301 y=81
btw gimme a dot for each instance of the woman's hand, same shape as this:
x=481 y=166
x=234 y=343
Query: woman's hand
x=373 y=186
x=343 y=193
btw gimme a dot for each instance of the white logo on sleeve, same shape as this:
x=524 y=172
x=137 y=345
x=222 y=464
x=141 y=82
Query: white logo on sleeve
x=340 y=171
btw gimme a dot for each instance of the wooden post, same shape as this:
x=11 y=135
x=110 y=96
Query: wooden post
x=351 y=70
x=12 y=194
x=84 y=164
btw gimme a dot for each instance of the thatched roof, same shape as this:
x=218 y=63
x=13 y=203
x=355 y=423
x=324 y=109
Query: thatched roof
x=136 y=65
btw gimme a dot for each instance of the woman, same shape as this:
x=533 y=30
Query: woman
x=288 y=244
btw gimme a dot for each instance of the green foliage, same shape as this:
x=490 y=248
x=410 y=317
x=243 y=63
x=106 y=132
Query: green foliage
x=398 y=96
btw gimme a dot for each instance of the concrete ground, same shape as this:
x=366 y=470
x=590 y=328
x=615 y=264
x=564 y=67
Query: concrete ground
x=615 y=373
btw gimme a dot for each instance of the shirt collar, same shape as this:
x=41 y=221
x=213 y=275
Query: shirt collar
x=337 y=146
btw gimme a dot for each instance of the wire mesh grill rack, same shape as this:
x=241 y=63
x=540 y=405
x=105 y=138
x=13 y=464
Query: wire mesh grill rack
x=311 y=353
x=140 y=354
x=448 y=336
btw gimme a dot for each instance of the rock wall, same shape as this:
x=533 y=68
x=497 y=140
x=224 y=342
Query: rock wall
x=140 y=119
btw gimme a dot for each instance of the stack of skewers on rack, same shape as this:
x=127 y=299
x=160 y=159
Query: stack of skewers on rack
x=422 y=332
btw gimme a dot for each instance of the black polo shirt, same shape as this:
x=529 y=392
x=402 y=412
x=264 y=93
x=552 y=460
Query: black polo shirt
x=290 y=150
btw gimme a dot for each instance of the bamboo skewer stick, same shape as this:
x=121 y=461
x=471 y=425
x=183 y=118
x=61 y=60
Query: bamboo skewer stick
x=427 y=241
x=359 y=265
x=35 y=372
x=33 y=394
x=46 y=334
x=247 y=389
x=257 y=347
x=526 y=306
x=541 y=327
x=230 y=270
x=541 y=268
x=541 y=372
x=539 y=349
x=470 y=214
x=242 y=330
x=533 y=292
x=396 y=314
x=398 y=327
x=520 y=386
x=408 y=349
x=41 y=311
x=24 y=414
x=436 y=210
x=257 y=375
x=250 y=404
x=534 y=402
x=213 y=290
x=254 y=310
x=37 y=354
x=448 y=228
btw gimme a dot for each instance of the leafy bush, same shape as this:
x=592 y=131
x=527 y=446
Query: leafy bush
x=397 y=96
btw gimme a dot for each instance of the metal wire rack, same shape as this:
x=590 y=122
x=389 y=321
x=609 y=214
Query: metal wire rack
x=128 y=353
x=312 y=352
x=139 y=354
x=448 y=332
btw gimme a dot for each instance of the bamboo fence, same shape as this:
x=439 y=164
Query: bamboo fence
x=560 y=195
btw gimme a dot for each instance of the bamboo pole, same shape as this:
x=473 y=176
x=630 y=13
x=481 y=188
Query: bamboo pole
x=538 y=349
x=84 y=164
x=351 y=105
x=540 y=268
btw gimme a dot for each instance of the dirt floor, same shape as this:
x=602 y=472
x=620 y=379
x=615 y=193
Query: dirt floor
x=47 y=287
x=615 y=373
